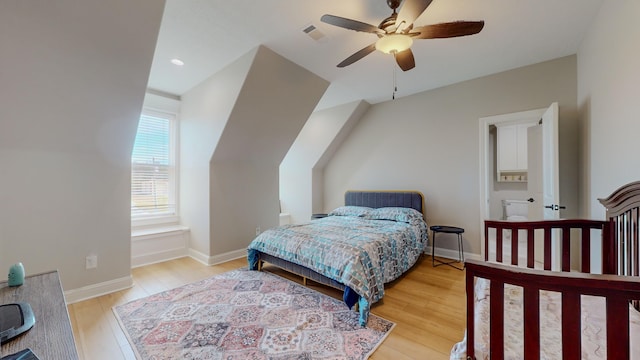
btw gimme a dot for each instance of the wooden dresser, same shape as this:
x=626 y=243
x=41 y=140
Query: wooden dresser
x=51 y=337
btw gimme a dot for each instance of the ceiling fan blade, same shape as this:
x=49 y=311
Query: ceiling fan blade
x=358 y=55
x=350 y=24
x=447 y=30
x=410 y=11
x=405 y=60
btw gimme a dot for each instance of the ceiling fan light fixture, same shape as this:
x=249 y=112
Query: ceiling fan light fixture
x=394 y=43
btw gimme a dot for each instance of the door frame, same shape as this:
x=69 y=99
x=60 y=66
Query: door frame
x=486 y=176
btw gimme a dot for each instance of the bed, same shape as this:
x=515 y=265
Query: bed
x=370 y=241
x=572 y=295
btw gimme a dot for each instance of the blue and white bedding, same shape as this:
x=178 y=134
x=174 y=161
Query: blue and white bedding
x=362 y=248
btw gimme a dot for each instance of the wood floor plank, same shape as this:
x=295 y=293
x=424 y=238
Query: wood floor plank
x=412 y=349
x=97 y=337
x=427 y=304
x=389 y=353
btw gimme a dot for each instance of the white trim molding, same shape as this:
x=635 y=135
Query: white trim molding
x=453 y=254
x=95 y=290
x=217 y=259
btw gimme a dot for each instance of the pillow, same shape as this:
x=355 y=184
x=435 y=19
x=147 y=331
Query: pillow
x=399 y=214
x=360 y=211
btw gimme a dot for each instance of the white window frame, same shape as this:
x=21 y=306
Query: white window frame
x=168 y=218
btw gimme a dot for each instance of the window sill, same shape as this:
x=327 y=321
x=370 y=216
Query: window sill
x=156 y=221
x=151 y=232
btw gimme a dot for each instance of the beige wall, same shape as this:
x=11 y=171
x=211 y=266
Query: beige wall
x=430 y=142
x=71 y=90
x=608 y=78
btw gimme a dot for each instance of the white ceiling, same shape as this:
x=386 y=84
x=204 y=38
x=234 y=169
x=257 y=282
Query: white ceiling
x=210 y=34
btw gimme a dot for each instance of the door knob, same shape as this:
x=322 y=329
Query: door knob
x=530 y=200
x=555 y=207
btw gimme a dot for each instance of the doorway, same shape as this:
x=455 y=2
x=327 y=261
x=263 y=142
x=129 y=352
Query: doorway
x=496 y=185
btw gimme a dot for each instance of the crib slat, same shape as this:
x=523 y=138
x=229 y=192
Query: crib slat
x=496 y=322
x=635 y=258
x=621 y=244
x=531 y=257
x=625 y=253
x=635 y=243
x=470 y=285
x=514 y=247
x=499 y=231
x=617 y=328
x=608 y=247
x=547 y=248
x=566 y=249
x=571 y=325
x=531 y=299
x=486 y=243
x=586 y=250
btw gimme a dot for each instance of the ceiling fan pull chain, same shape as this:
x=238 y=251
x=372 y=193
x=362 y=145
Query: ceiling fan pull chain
x=395 y=81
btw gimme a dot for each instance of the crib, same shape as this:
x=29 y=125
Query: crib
x=580 y=264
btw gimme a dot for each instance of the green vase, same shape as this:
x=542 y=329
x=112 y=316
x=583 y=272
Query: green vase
x=16 y=274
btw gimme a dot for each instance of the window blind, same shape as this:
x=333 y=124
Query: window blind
x=152 y=171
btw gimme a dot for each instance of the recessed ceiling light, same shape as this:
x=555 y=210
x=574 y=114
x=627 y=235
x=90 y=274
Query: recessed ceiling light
x=177 y=62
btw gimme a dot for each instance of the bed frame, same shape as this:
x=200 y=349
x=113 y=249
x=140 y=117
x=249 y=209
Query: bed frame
x=619 y=282
x=373 y=199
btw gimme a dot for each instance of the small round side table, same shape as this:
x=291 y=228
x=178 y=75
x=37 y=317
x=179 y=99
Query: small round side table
x=449 y=230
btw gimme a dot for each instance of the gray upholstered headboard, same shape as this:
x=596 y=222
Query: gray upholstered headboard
x=377 y=199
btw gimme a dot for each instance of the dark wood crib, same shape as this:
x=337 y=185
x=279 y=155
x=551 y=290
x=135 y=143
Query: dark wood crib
x=616 y=278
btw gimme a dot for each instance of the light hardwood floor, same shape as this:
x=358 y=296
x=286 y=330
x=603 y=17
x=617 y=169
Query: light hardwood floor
x=427 y=304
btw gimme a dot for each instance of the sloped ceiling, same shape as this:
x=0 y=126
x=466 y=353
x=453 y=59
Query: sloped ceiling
x=276 y=98
x=209 y=34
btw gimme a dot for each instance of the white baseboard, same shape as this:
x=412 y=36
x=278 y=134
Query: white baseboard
x=217 y=259
x=198 y=256
x=158 y=257
x=453 y=254
x=95 y=290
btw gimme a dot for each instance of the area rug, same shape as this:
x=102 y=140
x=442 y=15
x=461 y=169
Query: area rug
x=244 y=314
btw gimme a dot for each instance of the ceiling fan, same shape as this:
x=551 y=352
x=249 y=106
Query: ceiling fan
x=396 y=33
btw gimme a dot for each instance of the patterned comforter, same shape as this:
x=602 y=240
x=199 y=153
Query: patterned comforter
x=362 y=248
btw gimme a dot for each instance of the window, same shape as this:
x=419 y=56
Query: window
x=153 y=179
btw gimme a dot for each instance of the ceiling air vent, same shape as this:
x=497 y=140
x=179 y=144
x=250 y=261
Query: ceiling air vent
x=313 y=32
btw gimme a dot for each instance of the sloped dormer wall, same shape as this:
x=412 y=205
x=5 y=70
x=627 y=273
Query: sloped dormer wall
x=302 y=170
x=205 y=111
x=238 y=191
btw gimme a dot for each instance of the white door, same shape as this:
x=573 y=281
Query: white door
x=534 y=183
x=543 y=186
x=550 y=172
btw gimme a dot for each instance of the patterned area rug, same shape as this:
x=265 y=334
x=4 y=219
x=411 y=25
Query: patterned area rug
x=245 y=314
